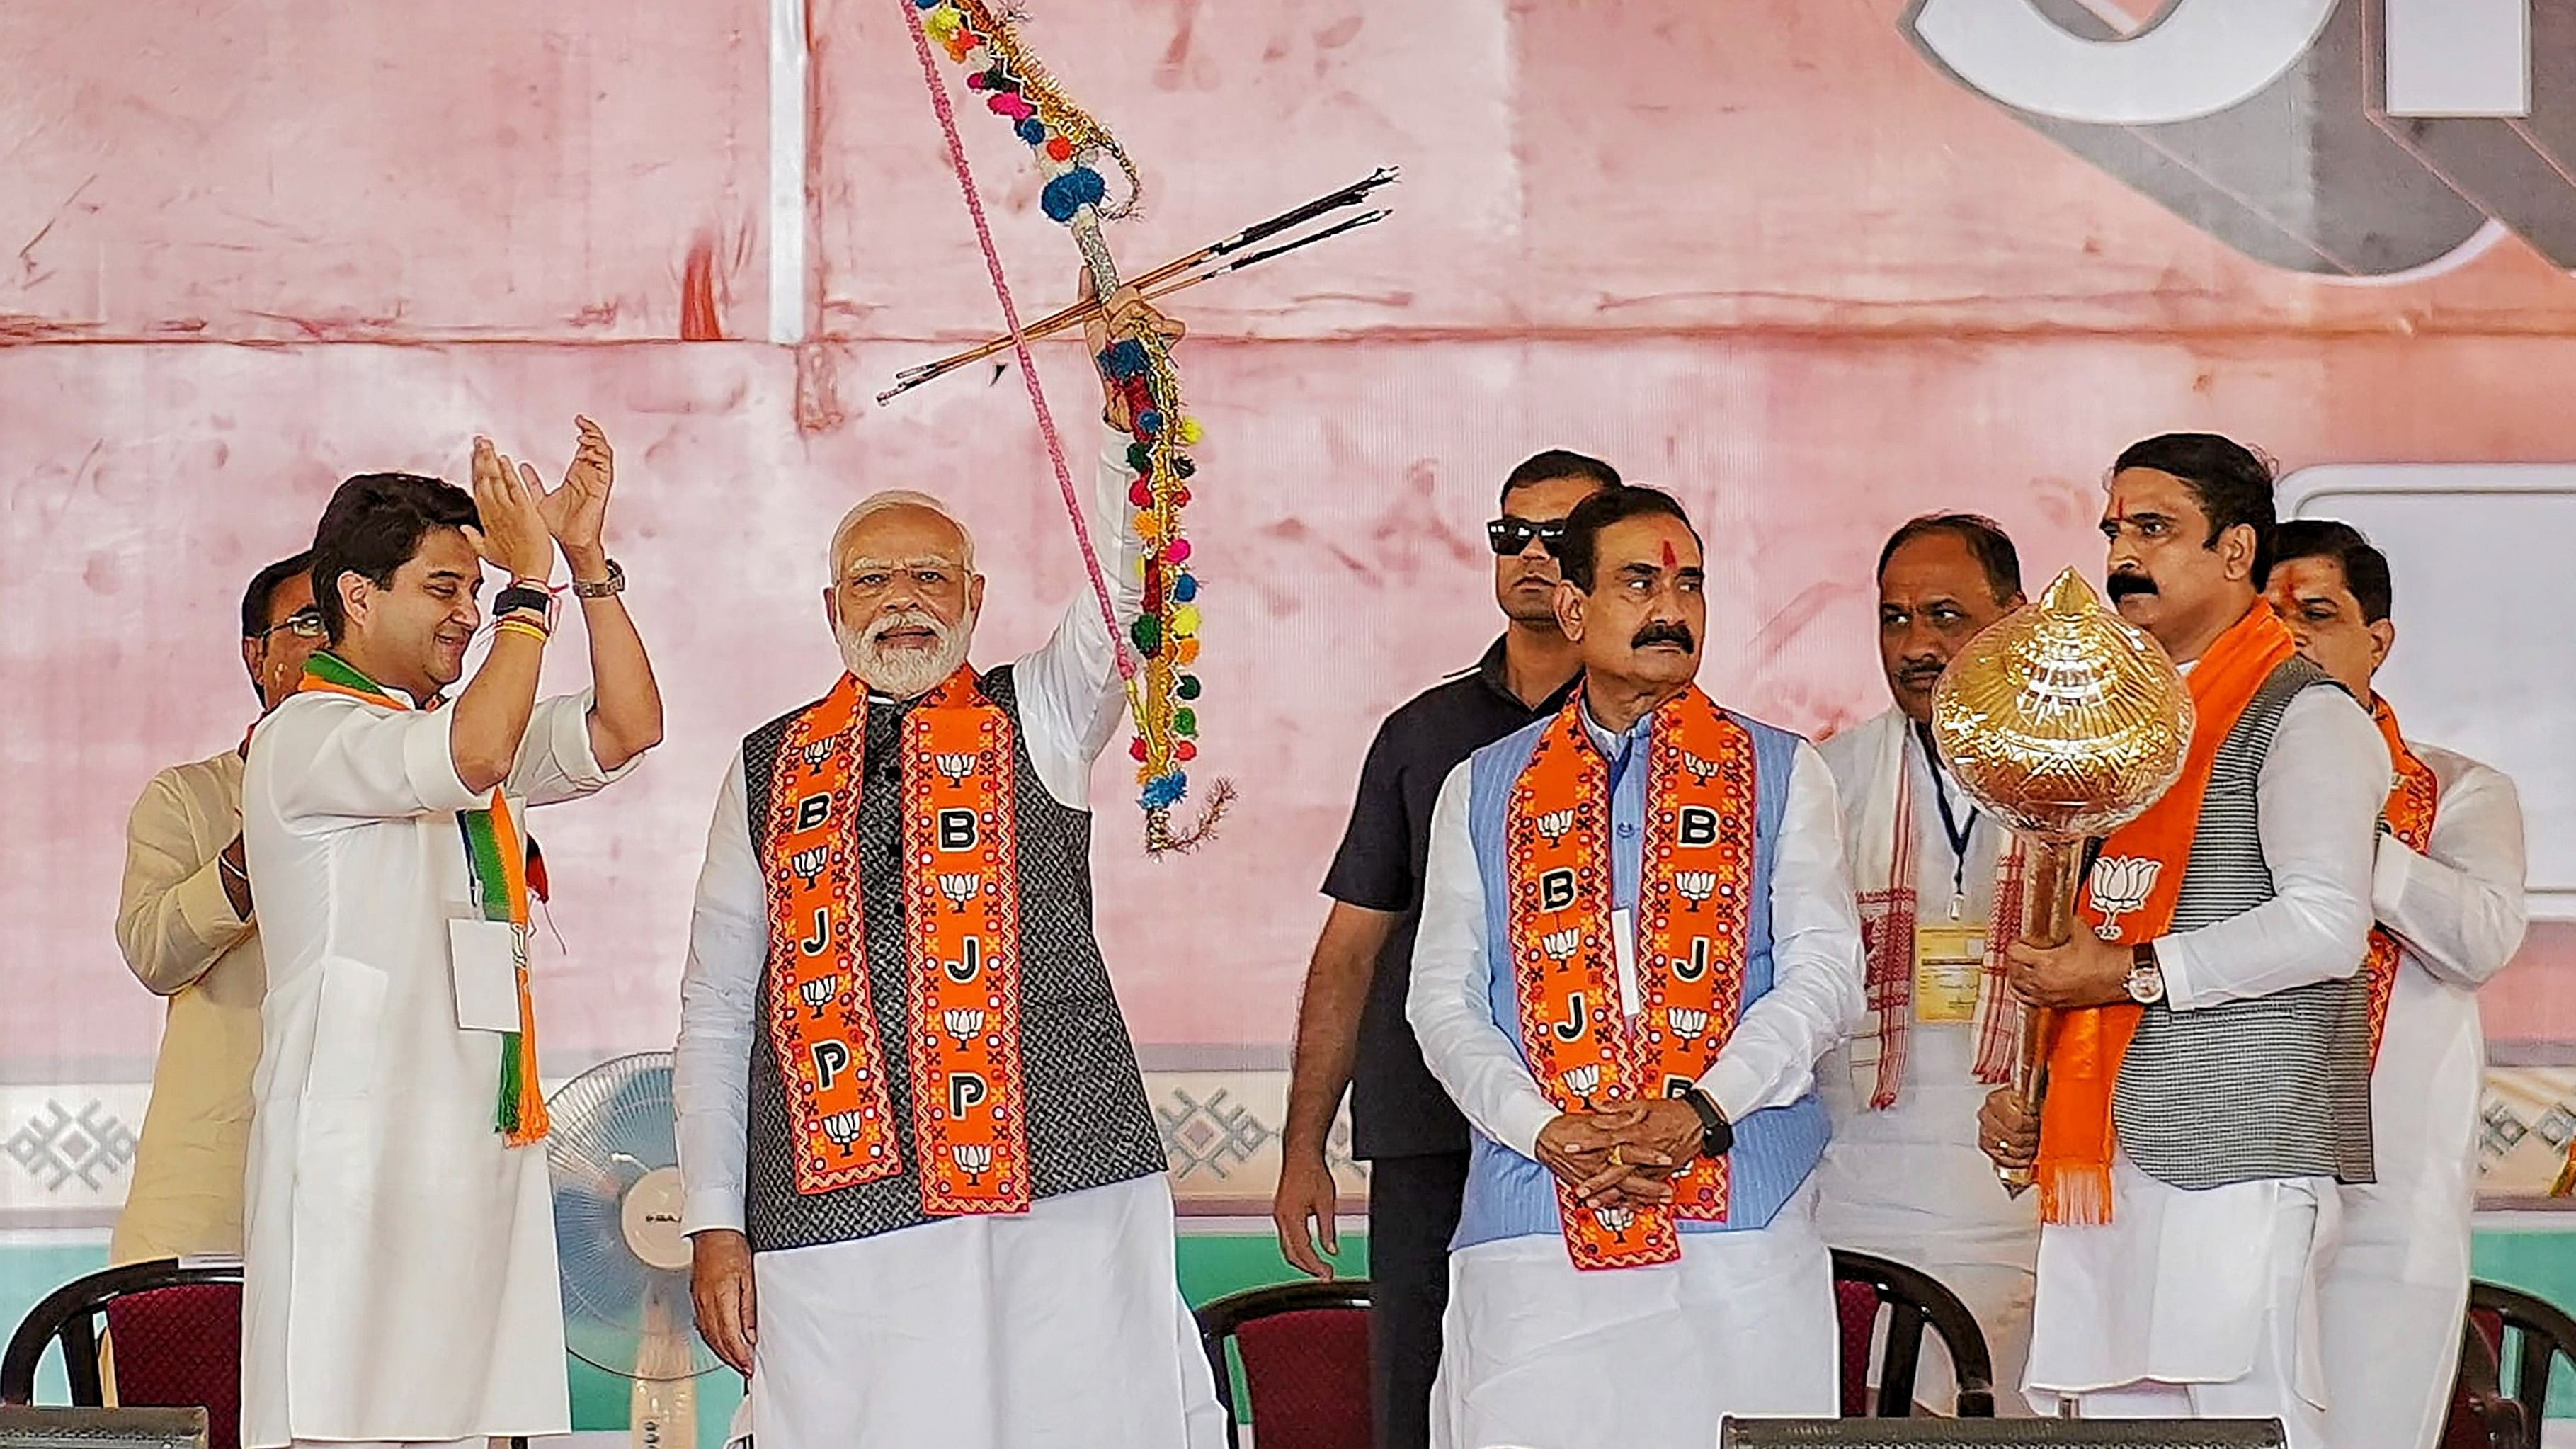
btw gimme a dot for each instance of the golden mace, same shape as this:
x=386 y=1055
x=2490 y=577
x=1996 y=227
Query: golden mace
x=2065 y=723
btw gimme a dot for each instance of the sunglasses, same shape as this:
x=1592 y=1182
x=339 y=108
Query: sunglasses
x=1510 y=535
x=304 y=623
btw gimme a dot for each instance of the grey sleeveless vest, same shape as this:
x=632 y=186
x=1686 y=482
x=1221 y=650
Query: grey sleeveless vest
x=2278 y=1086
x=1088 y=1121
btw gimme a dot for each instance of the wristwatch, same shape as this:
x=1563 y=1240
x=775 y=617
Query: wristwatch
x=2146 y=978
x=521 y=596
x=615 y=583
x=1716 y=1134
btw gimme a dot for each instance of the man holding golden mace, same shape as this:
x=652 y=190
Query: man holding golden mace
x=2207 y=1078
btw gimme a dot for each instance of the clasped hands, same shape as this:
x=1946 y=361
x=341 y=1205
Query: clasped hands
x=1624 y=1155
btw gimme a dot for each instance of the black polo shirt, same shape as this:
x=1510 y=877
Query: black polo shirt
x=1397 y=1108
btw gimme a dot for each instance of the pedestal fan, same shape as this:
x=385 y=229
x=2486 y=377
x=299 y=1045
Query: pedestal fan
x=624 y=1264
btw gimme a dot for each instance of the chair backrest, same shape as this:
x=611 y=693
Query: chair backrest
x=175 y=1331
x=1305 y=1353
x=2480 y=1416
x=1864 y=1287
x=2528 y=1335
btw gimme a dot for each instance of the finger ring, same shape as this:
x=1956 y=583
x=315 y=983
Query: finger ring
x=1615 y=1159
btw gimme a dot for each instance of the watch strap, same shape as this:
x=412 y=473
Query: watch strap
x=1716 y=1134
x=615 y=583
x=521 y=596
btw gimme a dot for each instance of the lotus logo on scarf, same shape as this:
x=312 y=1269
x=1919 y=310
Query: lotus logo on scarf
x=1614 y=1219
x=818 y=993
x=1582 y=1081
x=1696 y=886
x=963 y=1023
x=1562 y=944
x=1686 y=1022
x=817 y=751
x=955 y=767
x=1554 y=824
x=808 y=863
x=959 y=889
x=842 y=1128
x=1704 y=770
x=2120 y=885
x=972 y=1158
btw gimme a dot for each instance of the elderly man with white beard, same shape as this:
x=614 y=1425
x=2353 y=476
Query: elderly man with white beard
x=924 y=1190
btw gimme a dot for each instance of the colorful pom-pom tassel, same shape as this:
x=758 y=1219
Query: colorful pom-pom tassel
x=1185 y=588
x=1165 y=791
x=1185 y=621
x=1123 y=359
x=1136 y=749
x=1188 y=687
x=1149 y=422
x=1069 y=193
x=1185 y=721
x=1059 y=149
x=1179 y=552
x=1141 y=494
x=1032 y=130
x=1148 y=633
x=1190 y=432
x=1184 y=750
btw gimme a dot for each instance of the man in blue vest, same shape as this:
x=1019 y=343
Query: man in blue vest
x=1637 y=939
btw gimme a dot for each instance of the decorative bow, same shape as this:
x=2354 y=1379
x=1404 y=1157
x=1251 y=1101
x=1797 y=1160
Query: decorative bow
x=1071 y=148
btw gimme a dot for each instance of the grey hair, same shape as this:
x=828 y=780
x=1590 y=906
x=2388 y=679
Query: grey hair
x=876 y=503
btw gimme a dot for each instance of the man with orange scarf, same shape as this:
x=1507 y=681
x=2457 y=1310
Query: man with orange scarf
x=2209 y=1086
x=1637 y=939
x=2448 y=890
x=924 y=1191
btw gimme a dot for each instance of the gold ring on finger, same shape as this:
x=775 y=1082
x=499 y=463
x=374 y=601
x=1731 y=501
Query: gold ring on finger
x=1615 y=1159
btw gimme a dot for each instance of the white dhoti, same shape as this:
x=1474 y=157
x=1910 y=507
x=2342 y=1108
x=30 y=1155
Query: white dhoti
x=1061 y=1328
x=2393 y=1299
x=1541 y=1355
x=2188 y=1305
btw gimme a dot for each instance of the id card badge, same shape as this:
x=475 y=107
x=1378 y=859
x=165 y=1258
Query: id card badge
x=484 y=955
x=1949 y=966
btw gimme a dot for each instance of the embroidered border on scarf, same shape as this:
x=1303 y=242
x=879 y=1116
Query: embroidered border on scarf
x=960 y=887
x=2409 y=813
x=1695 y=886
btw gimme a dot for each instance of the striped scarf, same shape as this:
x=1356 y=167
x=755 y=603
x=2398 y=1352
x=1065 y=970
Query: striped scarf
x=501 y=868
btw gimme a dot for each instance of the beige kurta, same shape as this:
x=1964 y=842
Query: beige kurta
x=399 y=1257
x=184 y=941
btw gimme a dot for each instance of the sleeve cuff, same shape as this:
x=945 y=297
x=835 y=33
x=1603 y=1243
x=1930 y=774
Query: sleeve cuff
x=1522 y=1119
x=2181 y=967
x=1734 y=1086
x=430 y=762
x=2391 y=866
x=710 y=1210
x=568 y=740
x=207 y=907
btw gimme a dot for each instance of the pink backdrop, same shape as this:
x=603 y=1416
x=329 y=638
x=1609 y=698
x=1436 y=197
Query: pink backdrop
x=1758 y=251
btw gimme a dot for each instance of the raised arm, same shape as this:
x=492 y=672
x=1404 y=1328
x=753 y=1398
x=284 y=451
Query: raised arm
x=1071 y=697
x=626 y=709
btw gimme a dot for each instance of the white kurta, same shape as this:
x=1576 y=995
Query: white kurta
x=1536 y=1353
x=2394 y=1294
x=1910 y=1183
x=2202 y=1303
x=399 y=1259
x=1061 y=1327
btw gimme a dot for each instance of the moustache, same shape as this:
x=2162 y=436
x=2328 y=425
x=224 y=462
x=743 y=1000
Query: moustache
x=1674 y=634
x=2121 y=586
x=1920 y=673
x=908 y=619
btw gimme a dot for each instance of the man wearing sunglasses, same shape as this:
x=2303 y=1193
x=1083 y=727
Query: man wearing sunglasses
x=1351 y=1030
x=184 y=923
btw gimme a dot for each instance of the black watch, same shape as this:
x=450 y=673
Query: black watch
x=1716 y=1134
x=521 y=596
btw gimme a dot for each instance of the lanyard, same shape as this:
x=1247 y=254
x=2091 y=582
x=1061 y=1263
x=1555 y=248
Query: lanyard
x=1952 y=830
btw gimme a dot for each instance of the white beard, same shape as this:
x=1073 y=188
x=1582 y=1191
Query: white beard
x=904 y=673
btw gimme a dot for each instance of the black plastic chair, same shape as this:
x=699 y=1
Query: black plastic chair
x=1866 y=1286
x=2530 y=1335
x=178 y=1340
x=1304 y=1348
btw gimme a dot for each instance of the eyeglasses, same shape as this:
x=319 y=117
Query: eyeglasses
x=304 y=623
x=1510 y=535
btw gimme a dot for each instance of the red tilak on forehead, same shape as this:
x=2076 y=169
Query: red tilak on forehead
x=1670 y=558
